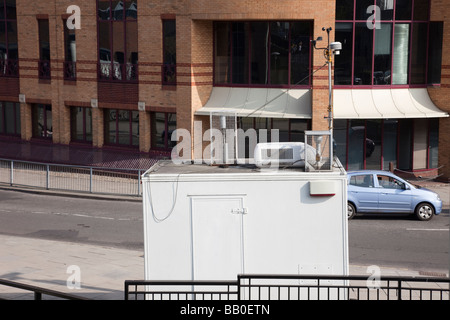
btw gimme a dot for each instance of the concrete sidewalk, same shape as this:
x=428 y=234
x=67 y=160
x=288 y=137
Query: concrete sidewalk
x=102 y=270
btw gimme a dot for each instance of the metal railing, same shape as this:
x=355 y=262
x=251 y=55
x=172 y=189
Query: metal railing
x=39 y=292
x=71 y=178
x=70 y=70
x=44 y=69
x=292 y=287
x=9 y=68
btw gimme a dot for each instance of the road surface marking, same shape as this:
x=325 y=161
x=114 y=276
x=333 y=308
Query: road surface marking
x=418 y=229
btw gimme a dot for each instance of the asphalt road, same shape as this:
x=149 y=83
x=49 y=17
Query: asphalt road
x=102 y=222
x=384 y=240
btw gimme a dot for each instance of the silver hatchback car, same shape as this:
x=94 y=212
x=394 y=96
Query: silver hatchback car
x=382 y=191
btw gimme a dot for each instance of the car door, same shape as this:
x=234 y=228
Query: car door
x=394 y=195
x=362 y=192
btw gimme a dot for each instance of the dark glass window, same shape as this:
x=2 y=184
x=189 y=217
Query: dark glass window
x=239 y=49
x=419 y=53
x=162 y=126
x=405 y=134
x=42 y=121
x=300 y=47
x=10 y=118
x=8 y=39
x=117 y=37
x=356 y=133
x=169 y=52
x=382 y=55
x=344 y=9
x=421 y=9
x=121 y=127
x=70 y=53
x=223 y=54
x=340 y=140
x=363 y=55
x=364 y=181
x=433 y=137
x=279 y=52
x=343 y=64
x=259 y=52
x=395 y=53
x=373 y=144
x=81 y=124
x=403 y=9
x=282 y=125
x=297 y=130
x=11 y=12
x=274 y=53
x=387 y=9
x=390 y=129
x=435 y=52
x=361 y=9
x=44 y=49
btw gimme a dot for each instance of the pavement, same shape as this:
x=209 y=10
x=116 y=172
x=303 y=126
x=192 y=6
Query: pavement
x=99 y=272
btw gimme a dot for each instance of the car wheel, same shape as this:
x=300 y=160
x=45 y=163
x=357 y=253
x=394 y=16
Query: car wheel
x=351 y=210
x=424 y=211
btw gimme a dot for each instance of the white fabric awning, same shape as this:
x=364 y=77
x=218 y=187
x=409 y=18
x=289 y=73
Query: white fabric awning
x=260 y=102
x=384 y=104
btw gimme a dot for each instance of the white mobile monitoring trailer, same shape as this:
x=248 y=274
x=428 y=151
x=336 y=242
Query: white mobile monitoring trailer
x=204 y=222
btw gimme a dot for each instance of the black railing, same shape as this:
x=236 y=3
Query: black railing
x=70 y=70
x=292 y=287
x=9 y=68
x=44 y=69
x=169 y=74
x=39 y=292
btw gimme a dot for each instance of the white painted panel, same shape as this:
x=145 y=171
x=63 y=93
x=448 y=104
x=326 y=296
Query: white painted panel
x=217 y=238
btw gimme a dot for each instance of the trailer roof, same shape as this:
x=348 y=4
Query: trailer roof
x=168 y=167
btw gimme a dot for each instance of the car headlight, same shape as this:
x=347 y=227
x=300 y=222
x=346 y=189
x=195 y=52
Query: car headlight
x=437 y=197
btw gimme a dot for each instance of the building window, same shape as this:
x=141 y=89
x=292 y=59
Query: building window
x=70 y=53
x=44 y=49
x=122 y=127
x=389 y=46
x=435 y=52
x=162 y=126
x=375 y=144
x=9 y=57
x=117 y=40
x=260 y=53
x=81 y=124
x=169 y=67
x=10 y=118
x=42 y=121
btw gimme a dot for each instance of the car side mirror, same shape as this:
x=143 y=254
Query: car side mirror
x=406 y=187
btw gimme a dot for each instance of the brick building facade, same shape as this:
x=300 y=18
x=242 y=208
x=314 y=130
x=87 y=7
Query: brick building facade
x=128 y=83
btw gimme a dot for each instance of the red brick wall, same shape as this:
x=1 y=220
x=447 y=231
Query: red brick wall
x=440 y=11
x=194 y=60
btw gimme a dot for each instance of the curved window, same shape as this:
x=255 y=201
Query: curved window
x=387 y=43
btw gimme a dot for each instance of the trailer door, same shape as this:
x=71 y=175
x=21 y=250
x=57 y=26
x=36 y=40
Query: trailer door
x=217 y=237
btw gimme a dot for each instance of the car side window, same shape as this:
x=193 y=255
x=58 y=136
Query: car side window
x=390 y=182
x=365 y=181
